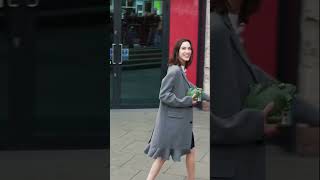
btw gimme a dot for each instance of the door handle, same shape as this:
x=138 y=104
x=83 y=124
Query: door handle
x=113 y=45
x=34 y=4
x=13 y=3
x=121 y=45
x=113 y=54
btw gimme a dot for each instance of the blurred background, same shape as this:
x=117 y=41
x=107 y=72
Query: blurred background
x=289 y=31
x=54 y=84
x=54 y=110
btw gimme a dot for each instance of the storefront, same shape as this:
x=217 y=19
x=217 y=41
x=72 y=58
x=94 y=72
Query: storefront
x=144 y=33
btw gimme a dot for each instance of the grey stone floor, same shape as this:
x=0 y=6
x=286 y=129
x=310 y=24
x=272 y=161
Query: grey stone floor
x=129 y=134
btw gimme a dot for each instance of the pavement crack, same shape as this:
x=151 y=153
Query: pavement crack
x=128 y=144
x=127 y=161
x=203 y=156
x=135 y=175
x=124 y=134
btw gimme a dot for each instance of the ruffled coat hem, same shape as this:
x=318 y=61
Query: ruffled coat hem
x=165 y=153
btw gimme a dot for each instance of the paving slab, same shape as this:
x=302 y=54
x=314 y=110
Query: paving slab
x=140 y=162
x=142 y=175
x=120 y=158
x=122 y=173
x=179 y=169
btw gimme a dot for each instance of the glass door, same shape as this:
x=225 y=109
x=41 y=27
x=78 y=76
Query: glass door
x=71 y=84
x=136 y=53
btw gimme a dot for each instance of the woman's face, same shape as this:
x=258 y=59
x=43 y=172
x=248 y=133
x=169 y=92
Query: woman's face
x=185 y=52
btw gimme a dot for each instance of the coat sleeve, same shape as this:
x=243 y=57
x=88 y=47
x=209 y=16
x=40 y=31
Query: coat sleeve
x=302 y=112
x=167 y=96
x=244 y=127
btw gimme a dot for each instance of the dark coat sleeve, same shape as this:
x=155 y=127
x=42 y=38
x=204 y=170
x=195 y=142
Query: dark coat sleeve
x=260 y=75
x=244 y=126
x=302 y=112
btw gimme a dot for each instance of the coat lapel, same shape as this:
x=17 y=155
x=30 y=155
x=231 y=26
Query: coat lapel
x=185 y=78
x=237 y=46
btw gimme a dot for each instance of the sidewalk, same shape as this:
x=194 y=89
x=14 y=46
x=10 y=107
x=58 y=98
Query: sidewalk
x=130 y=130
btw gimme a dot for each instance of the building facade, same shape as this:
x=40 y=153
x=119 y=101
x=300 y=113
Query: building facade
x=144 y=33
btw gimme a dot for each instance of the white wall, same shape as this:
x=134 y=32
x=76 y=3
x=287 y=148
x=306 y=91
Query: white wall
x=308 y=82
x=206 y=76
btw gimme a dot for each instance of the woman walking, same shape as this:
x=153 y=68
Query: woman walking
x=172 y=134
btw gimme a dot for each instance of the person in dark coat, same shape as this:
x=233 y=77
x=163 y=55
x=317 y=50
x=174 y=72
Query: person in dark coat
x=237 y=152
x=237 y=135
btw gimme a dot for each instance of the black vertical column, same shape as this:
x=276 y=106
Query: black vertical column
x=165 y=37
x=4 y=59
x=288 y=57
x=289 y=38
x=21 y=73
x=116 y=73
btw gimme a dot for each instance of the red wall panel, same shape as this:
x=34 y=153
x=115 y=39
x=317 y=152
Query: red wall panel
x=260 y=37
x=184 y=24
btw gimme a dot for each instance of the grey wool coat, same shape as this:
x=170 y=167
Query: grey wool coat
x=173 y=127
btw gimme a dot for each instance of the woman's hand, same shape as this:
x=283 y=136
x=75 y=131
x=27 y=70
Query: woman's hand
x=194 y=102
x=194 y=99
x=269 y=130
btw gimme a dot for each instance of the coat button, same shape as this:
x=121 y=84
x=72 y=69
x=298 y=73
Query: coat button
x=190 y=122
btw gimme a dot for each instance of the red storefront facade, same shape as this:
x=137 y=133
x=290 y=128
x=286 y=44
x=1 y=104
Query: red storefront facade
x=184 y=23
x=188 y=20
x=260 y=37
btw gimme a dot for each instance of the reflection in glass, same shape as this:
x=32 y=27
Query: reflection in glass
x=141 y=34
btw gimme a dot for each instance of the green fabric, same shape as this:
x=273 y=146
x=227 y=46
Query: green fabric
x=280 y=93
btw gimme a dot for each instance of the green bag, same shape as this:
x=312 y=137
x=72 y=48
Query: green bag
x=281 y=94
x=197 y=91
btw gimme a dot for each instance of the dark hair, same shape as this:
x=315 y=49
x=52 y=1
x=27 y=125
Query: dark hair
x=174 y=60
x=248 y=7
x=219 y=6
